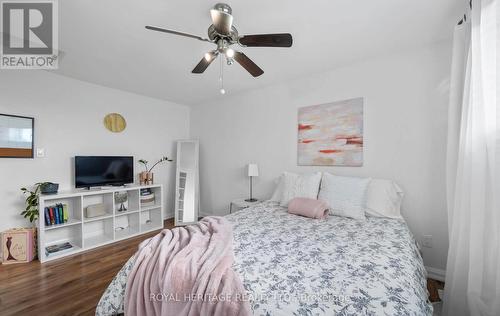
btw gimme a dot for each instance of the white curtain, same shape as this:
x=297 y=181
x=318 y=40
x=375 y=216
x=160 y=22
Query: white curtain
x=472 y=284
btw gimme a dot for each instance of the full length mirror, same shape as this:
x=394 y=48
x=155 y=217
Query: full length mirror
x=187 y=183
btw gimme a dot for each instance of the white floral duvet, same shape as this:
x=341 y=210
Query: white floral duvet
x=292 y=265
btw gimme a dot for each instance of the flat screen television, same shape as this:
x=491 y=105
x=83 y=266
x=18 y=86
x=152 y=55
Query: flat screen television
x=96 y=171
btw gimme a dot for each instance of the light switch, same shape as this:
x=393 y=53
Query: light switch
x=40 y=152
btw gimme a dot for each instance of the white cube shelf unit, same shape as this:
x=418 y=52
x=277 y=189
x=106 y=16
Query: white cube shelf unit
x=88 y=233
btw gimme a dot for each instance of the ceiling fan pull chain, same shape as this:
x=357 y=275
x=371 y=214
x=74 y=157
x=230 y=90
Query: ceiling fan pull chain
x=222 y=91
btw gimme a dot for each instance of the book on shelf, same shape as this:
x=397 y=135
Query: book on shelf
x=58 y=248
x=51 y=214
x=65 y=212
x=47 y=217
x=56 y=214
x=61 y=218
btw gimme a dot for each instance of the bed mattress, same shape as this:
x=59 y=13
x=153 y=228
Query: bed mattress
x=292 y=265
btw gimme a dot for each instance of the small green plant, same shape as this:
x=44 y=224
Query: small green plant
x=145 y=163
x=31 y=211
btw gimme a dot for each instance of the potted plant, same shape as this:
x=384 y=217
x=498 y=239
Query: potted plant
x=31 y=211
x=146 y=176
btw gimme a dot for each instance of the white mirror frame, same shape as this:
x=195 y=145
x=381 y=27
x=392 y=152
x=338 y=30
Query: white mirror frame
x=179 y=221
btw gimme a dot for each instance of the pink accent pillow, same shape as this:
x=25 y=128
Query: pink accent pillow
x=308 y=207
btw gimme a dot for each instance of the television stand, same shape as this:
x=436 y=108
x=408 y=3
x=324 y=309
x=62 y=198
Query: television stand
x=88 y=233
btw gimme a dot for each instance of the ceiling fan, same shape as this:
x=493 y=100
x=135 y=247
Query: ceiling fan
x=223 y=33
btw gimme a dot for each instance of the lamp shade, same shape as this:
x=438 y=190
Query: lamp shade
x=253 y=170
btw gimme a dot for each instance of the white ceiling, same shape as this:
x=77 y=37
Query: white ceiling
x=105 y=42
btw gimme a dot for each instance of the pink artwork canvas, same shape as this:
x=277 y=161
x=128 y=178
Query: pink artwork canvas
x=331 y=134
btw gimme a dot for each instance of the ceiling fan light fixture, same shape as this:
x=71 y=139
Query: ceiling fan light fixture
x=223 y=33
x=229 y=52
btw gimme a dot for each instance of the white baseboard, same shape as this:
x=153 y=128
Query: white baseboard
x=171 y=215
x=168 y=215
x=436 y=274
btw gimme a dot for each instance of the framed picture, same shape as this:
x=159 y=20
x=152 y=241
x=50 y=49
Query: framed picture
x=16 y=136
x=331 y=134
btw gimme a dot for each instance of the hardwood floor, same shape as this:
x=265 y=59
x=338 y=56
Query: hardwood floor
x=70 y=286
x=74 y=285
x=433 y=286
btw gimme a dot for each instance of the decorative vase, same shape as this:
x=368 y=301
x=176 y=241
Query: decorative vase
x=143 y=177
x=149 y=179
x=146 y=178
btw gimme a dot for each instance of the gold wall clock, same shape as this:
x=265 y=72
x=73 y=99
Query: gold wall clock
x=115 y=123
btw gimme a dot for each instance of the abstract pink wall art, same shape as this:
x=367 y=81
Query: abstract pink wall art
x=331 y=134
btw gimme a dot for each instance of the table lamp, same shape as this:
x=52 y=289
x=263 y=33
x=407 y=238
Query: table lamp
x=253 y=171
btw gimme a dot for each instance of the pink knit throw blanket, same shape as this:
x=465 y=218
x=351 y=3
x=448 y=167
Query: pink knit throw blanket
x=187 y=271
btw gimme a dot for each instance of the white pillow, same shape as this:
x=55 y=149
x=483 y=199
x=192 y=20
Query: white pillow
x=346 y=196
x=278 y=191
x=383 y=199
x=295 y=185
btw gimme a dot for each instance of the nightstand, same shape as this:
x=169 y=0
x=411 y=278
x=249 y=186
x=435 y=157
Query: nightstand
x=240 y=204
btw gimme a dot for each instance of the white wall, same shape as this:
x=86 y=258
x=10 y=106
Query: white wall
x=405 y=135
x=69 y=121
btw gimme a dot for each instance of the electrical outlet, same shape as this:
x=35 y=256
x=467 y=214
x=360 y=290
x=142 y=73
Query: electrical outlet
x=427 y=241
x=40 y=152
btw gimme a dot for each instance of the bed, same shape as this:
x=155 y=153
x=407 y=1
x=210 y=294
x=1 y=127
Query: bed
x=292 y=265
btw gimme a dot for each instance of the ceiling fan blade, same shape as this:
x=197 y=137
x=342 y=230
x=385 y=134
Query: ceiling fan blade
x=159 y=29
x=267 y=40
x=222 y=21
x=248 y=64
x=205 y=62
